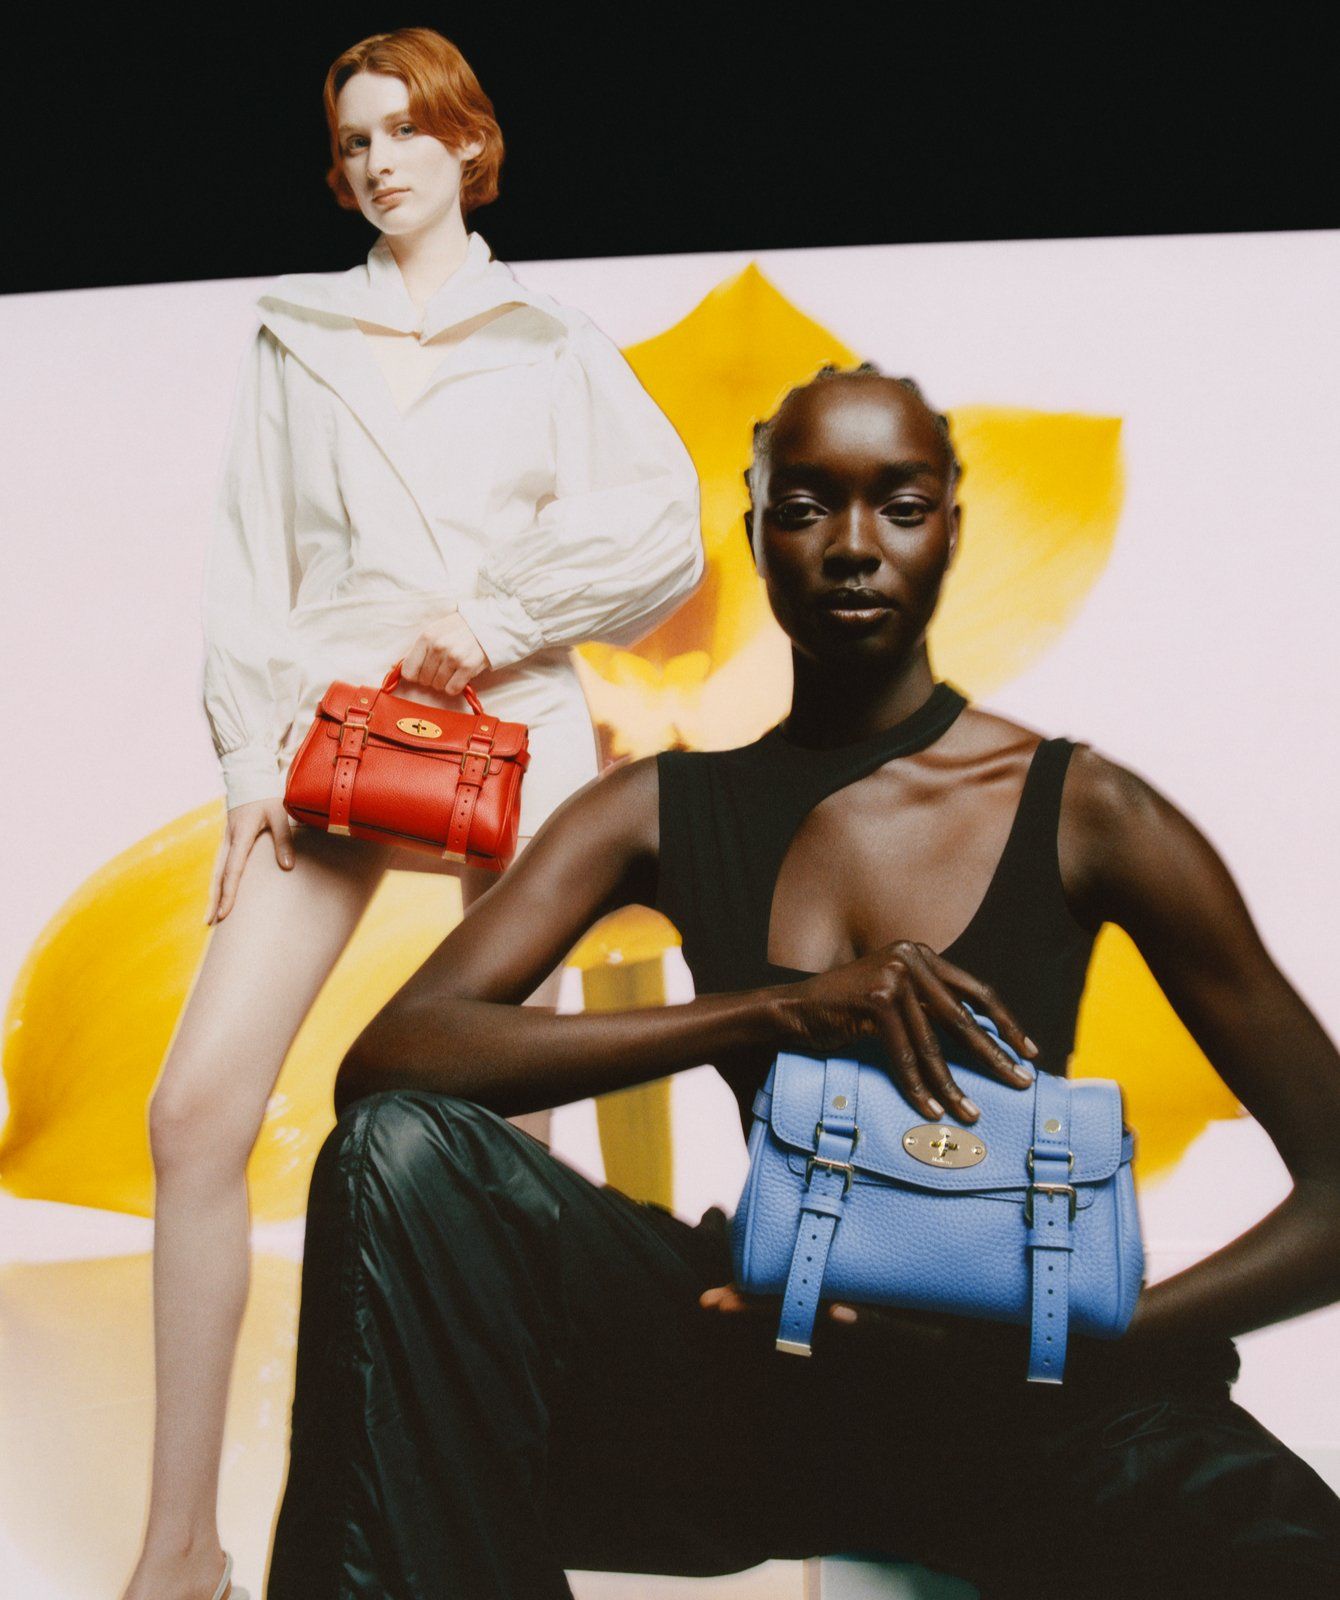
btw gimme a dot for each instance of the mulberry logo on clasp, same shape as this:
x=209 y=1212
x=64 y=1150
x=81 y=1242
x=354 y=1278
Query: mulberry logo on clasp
x=419 y=728
x=938 y=1146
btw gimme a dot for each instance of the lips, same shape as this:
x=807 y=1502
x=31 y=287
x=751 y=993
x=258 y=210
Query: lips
x=853 y=610
x=386 y=194
x=851 y=599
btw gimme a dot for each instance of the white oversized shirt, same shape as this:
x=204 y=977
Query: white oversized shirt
x=532 y=484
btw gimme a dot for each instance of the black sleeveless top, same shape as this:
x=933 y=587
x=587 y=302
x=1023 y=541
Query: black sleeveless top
x=727 y=818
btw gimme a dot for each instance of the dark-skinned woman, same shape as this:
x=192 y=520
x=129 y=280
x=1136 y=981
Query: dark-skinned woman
x=505 y=1370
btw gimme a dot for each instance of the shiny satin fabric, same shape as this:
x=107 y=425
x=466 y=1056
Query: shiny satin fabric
x=503 y=1372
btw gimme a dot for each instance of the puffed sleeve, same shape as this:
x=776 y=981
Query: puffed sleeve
x=620 y=546
x=250 y=581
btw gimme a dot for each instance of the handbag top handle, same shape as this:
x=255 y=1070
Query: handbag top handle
x=392 y=679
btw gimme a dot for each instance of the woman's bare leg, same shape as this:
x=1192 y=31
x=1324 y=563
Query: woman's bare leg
x=475 y=882
x=265 y=963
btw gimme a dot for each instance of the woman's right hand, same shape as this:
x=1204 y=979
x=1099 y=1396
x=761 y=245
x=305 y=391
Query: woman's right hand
x=896 y=994
x=245 y=825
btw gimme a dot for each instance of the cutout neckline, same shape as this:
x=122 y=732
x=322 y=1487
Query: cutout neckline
x=794 y=974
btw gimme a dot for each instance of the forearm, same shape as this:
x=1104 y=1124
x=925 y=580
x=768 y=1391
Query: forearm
x=1285 y=1265
x=514 y=1058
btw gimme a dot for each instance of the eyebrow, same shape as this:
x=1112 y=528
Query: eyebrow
x=892 y=472
x=391 y=116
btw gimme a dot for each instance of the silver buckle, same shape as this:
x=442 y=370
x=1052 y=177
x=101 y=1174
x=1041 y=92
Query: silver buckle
x=844 y=1167
x=1046 y=1188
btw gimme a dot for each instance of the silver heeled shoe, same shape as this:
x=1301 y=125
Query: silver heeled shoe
x=226 y=1591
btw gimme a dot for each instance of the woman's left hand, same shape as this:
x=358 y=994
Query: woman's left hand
x=445 y=656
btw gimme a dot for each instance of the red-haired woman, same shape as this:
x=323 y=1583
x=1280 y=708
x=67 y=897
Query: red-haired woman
x=428 y=461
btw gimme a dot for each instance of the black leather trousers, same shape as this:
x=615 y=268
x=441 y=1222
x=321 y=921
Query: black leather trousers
x=503 y=1372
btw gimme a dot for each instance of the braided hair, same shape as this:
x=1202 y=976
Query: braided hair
x=830 y=372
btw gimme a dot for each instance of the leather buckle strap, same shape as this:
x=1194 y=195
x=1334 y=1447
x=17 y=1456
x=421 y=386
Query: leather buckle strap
x=353 y=741
x=475 y=767
x=1049 y=1230
x=476 y=764
x=835 y=1138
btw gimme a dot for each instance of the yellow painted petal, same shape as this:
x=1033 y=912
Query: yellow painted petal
x=1041 y=496
x=91 y=1016
x=1128 y=1031
x=94 y=1007
x=699 y=710
x=729 y=361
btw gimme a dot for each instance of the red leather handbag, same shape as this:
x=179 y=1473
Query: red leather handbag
x=375 y=766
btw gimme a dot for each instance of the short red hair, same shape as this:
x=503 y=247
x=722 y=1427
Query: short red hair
x=445 y=100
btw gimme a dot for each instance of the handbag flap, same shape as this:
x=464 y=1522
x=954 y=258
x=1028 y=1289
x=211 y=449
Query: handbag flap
x=453 y=727
x=1005 y=1126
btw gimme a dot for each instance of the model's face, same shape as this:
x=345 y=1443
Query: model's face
x=404 y=180
x=855 y=522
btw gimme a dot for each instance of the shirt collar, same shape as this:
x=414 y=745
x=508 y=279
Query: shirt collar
x=384 y=277
x=375 y=292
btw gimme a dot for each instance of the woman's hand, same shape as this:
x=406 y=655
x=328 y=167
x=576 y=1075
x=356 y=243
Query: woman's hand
x=445 y=656
x=246 y=823
x=922 y=1327
x=729 y=1299
x=896 y=995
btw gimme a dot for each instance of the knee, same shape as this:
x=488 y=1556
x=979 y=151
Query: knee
x=407 y=1140
x=199 y=1123
x=407 y=1171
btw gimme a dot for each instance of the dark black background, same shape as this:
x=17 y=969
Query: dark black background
x=145 y=148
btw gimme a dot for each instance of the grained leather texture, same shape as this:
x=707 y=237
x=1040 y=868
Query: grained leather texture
x=1005 y=1127
x=942 y=1238
x=456 y=790
x=386 y=710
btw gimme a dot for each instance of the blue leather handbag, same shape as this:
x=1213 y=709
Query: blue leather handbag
x=1027 y=1216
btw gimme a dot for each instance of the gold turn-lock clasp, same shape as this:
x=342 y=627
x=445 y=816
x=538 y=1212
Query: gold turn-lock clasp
x=419 y=727
x=936 y=1144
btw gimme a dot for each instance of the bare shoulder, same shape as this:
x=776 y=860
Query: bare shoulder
x=1100 y=795
x=1118 y=838
x=617 y=813
x=1123 y=845
x=1103 y=800
x=984 y=739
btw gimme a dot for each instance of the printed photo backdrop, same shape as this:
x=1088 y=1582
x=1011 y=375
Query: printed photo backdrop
x=1150 y=546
